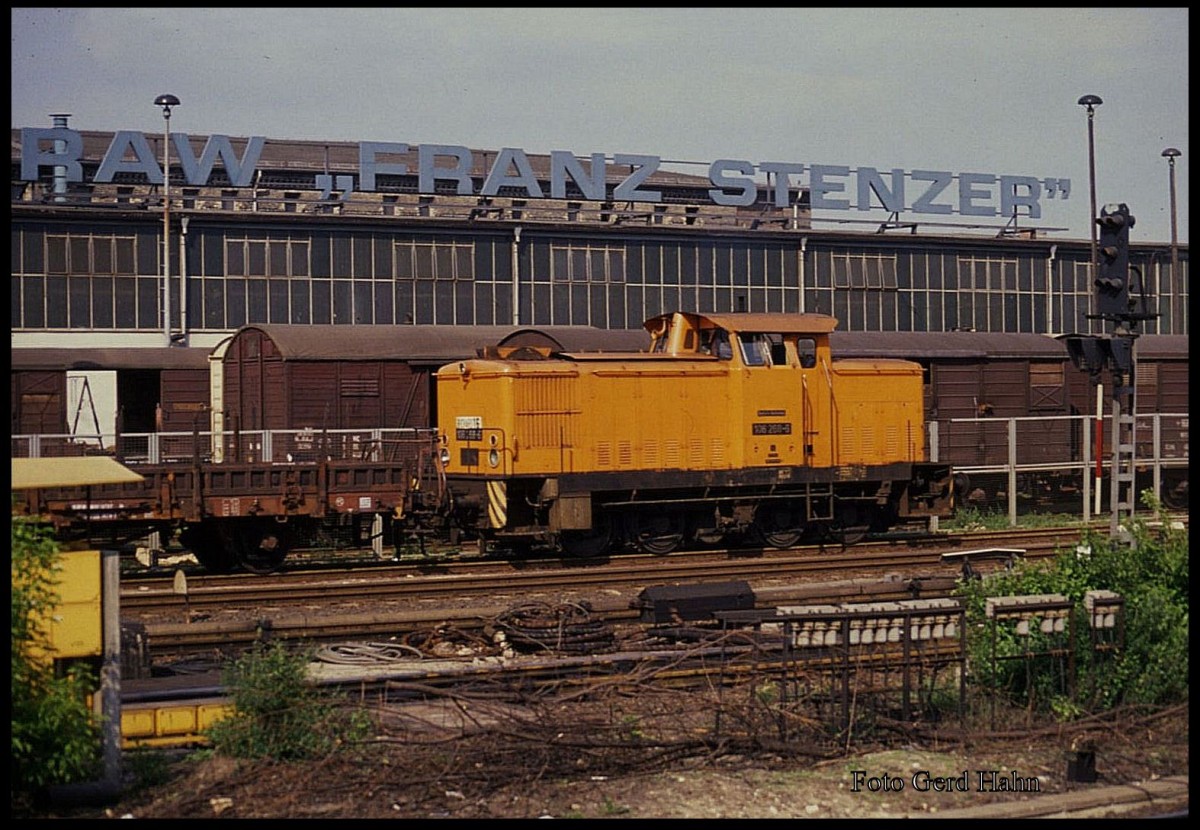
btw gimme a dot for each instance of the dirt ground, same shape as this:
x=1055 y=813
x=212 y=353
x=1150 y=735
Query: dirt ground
x=478 y=760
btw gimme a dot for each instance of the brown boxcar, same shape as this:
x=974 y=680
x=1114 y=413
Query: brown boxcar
x=156 y=389
x=992 y=377
x=364 y=377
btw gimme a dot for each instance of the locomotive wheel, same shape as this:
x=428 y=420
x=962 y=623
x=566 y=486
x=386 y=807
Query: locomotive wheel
x=261 y=545
x=594 y=542
x=780 y=526
x=841 y=533
x=847 y=528
x=658 y=533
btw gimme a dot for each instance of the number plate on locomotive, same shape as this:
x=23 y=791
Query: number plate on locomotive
x=772 y=429
x=468 y=428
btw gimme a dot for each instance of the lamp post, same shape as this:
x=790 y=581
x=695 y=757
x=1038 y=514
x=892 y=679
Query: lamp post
x=1170 y=154
x=166 y=102
x=1091 y=102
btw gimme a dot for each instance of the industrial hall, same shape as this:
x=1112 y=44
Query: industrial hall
x=108 y=253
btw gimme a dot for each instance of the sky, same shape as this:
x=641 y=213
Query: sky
x=984 y=90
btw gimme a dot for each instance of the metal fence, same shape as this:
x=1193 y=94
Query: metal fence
x=1035 y=464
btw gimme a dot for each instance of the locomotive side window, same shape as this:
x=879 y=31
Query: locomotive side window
x=763 y=350
x=778 y=350
x=716 y=341
x=806 y=350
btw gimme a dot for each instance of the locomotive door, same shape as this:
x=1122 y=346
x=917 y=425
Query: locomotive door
x=817 y=444
x=772 y=401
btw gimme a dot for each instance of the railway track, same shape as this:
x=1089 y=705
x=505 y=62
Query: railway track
x=355 y=604
x=223 y=612
x=468 y=579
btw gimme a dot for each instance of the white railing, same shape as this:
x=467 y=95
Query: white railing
x=276 y=446
x=1009 y=456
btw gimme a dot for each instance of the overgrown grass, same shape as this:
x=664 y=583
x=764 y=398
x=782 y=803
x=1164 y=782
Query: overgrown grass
x=1148 y=665
x=279 y=714
x=973 y=518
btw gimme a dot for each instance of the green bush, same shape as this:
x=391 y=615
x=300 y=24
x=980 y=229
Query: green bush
x=278 y=714
x=1151 y=667
x=55 y=736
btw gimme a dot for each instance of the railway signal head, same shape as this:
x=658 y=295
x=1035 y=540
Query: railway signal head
x=1112 y=274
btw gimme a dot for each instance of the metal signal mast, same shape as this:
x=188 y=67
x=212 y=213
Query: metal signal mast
x=1121 y=299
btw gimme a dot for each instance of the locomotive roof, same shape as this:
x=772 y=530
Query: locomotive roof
x=161 y=357
x=759 y=322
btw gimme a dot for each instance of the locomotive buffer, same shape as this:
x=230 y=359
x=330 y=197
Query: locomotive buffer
x=1125 y=308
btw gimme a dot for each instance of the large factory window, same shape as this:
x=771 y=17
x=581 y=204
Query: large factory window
x=990 y=296
x=246 y=257
x=449 y=260
x=864 y=270
x=587 y=262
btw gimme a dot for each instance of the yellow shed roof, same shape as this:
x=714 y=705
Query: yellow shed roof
x=31 y=473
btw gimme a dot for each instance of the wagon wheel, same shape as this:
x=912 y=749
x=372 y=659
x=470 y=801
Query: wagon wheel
x=209 y=548
x=261 y=545
x=657 y=533
x=780 y=526
x=1175 y=494
x=594 y=542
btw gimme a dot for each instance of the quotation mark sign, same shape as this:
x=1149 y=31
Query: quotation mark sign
x=344 y=184
x=1054 y=187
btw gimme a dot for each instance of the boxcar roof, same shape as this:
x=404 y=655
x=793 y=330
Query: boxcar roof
x=423 y=343
x=1162 y=345
x=50 y=359
x=408 y=343
x=944 y=345
x=579 y=339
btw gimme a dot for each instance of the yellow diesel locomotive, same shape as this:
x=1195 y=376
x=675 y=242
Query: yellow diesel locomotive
x=730 y=427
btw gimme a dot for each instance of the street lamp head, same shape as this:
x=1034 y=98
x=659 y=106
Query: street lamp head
x=1170 y=153
x=166 y=102
x=1090 y=101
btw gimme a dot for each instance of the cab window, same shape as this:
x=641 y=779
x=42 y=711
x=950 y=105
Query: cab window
x=716 y=341
x=806 y=350
x=762 y=349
